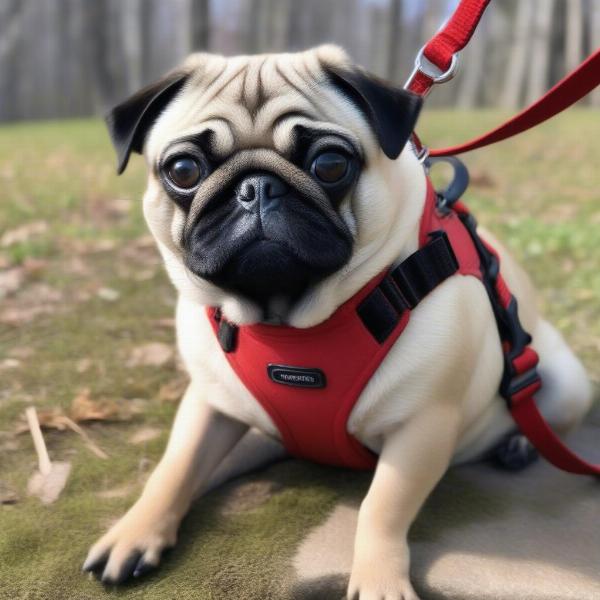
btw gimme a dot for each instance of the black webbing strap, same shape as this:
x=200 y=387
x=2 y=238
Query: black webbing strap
x=407 y=284
x=227 y=333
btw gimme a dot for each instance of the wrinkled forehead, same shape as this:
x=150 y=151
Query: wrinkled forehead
x=249 y=102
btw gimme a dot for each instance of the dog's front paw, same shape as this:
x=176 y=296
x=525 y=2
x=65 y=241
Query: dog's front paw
x=381 y=576
x=133 y=546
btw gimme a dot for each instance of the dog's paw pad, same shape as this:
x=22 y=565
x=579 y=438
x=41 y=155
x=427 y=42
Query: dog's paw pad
x=514 y=453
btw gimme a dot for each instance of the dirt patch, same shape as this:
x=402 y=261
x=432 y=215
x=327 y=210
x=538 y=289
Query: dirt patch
x=249 y=496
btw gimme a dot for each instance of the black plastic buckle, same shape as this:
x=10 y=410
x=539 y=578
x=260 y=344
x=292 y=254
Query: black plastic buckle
x=512 y=383
x=518 y=340
x=515 y=335
x=227 y=332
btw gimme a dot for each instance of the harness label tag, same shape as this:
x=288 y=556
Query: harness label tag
x=296 y=376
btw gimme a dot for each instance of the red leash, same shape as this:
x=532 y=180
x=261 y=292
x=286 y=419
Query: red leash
x=436 y=63
x=566 y=92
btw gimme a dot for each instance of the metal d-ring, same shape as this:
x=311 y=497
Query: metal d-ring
x=425 y=66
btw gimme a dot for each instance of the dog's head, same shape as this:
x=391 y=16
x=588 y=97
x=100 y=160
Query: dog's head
x=274 y=189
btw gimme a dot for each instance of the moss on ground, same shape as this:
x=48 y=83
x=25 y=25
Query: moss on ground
x=61 y=331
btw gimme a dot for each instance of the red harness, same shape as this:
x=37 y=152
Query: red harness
x=308 y=380
x=310 y=406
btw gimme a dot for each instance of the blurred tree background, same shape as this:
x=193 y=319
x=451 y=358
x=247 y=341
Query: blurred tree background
x=62 y=58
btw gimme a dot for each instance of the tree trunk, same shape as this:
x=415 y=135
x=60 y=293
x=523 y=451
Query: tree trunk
x=12 y=14
x=540 y=51
x=595 y=42
x=96 y=31
x=131 y=35
x=200 y=24
x=517 y=63
x=472 y=73
x=394 y=37
x=573 y=34
x=280 y=18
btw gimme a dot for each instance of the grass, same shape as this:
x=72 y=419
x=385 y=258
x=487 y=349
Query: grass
x=539 y=193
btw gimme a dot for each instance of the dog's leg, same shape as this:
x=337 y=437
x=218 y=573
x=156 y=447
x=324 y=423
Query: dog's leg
x=200 y=439
x=566 y=395
x=254 y=451
x=412 y=461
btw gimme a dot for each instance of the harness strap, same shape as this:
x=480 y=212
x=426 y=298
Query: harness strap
x=520 y=380
x=400 y=290
x=406 y=285
x=566 y=92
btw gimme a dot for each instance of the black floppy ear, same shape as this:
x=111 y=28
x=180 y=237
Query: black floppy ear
x=392 y=112
x=129 y=122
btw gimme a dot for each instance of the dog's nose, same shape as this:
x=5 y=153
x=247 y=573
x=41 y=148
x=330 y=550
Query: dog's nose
x=261 y=191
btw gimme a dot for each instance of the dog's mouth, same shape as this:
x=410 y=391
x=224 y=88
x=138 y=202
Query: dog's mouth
x=266 y=269
x=265 y=239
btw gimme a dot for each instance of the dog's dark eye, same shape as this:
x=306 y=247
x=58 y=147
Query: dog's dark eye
x=330 y=167
x=184 y=172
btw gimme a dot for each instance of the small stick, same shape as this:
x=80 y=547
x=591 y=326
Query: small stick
x=86 y=438
x=44 y=463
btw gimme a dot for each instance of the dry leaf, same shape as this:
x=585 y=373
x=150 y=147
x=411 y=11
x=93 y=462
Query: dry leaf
x=118 y=207
x=108 y=294
x=119 y=492
x=86 y=438
x=143 y=274
x=47 y=487
x=54 y=418
x=146 y=434
x=8 y=442
x=11 y=280
x=83 y=365
x=83 y=408
x=144 y=242
x=41 y=293
x=75 y=265
x=7 y=494
x=166 y=322
x=9 y=363
x=20 y=315
x=21 y=352
x=83 y=247
x=34 y=266
x=481 y=179
x=23 y=233
x=50 y=418
x=173 y=390
x=154 y=354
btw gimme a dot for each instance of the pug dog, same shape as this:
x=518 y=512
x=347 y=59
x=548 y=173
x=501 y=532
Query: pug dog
x=319 y=150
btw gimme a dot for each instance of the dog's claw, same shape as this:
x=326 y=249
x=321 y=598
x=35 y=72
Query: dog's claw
x=125 y=572
x=143 y=567
x=95 y=566
x=514 y=453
